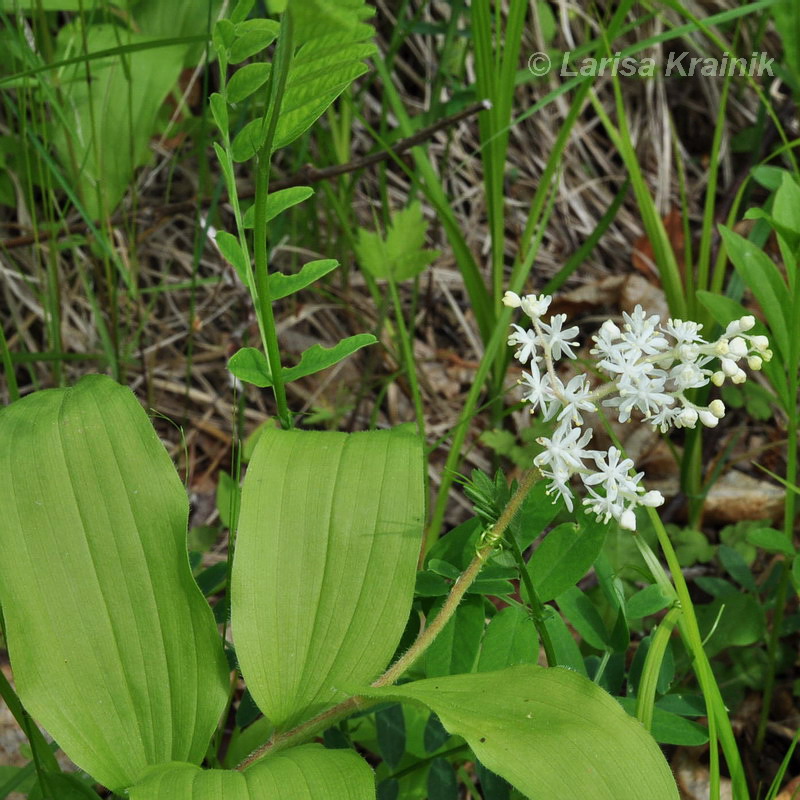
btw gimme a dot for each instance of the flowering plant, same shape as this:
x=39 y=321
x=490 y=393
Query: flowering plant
x=650 y=367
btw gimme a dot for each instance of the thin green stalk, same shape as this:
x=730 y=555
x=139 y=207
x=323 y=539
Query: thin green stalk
x=719 y=725
x=646 y=694
x=283 y=60
x=789 y=509
x=408 y=357
x=536 y=606
x=322 y=721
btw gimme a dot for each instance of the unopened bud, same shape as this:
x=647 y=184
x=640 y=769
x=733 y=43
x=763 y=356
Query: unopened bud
x=627 y=520
x=746 y=323
x=729 y=366
x=707 y=418
x=717 y=408
x=653 y=499
x=688 y=418
x=739 y=377
x=718 y=378
x=761 y=343
x=512 y=300
x=738 y=347
x=754 y=362
x=611 y=329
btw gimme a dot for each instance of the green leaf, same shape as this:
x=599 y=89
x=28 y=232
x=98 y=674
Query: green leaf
x=771 y=540
x=669 y=728
x=580 y=611
x=252 y=36
x=281 y=285
x=231 y=250
x=733 y=620
x=249 y=140
x=309 y=772
x=278 y=202
x=317 y=357
x=649 y=600
x=247 y=79
x=455 y=649
x=219 y=110
x=329 y=532
x=107 y=124
x=250 y=365
x=390 y=731
x=401 y=255
x=227 y=499
x=564 y=557
x=760 y=273
x=442 y=780
x=98 y=598
x=550 y=732
x=566 y=648
x=510 y=639
x=64 y=786
x=330 y=57
x=537 y=512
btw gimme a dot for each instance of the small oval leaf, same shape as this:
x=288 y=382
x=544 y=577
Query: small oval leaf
x=247 y=79
x=250 y=365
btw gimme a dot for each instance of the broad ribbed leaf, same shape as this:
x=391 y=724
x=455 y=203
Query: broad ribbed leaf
x=309 y=772
x=323 y=576
x=550 y=732
x=113 y=647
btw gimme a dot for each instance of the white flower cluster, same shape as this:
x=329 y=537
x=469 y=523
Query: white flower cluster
x=650 y=367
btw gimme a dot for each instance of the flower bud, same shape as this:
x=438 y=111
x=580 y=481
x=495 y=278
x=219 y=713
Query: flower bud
x=707 y=418
x=739 y=377
x=718 y=378
x=717 y=408
x=721 y=348
x=687 y=418
x=729 y=366
x=653 y=499
x=738 y=347
x=754 y=362
x=746 y=323
x=761 y=343
x=512 y=300
x=611 y=329
x=627 y=520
